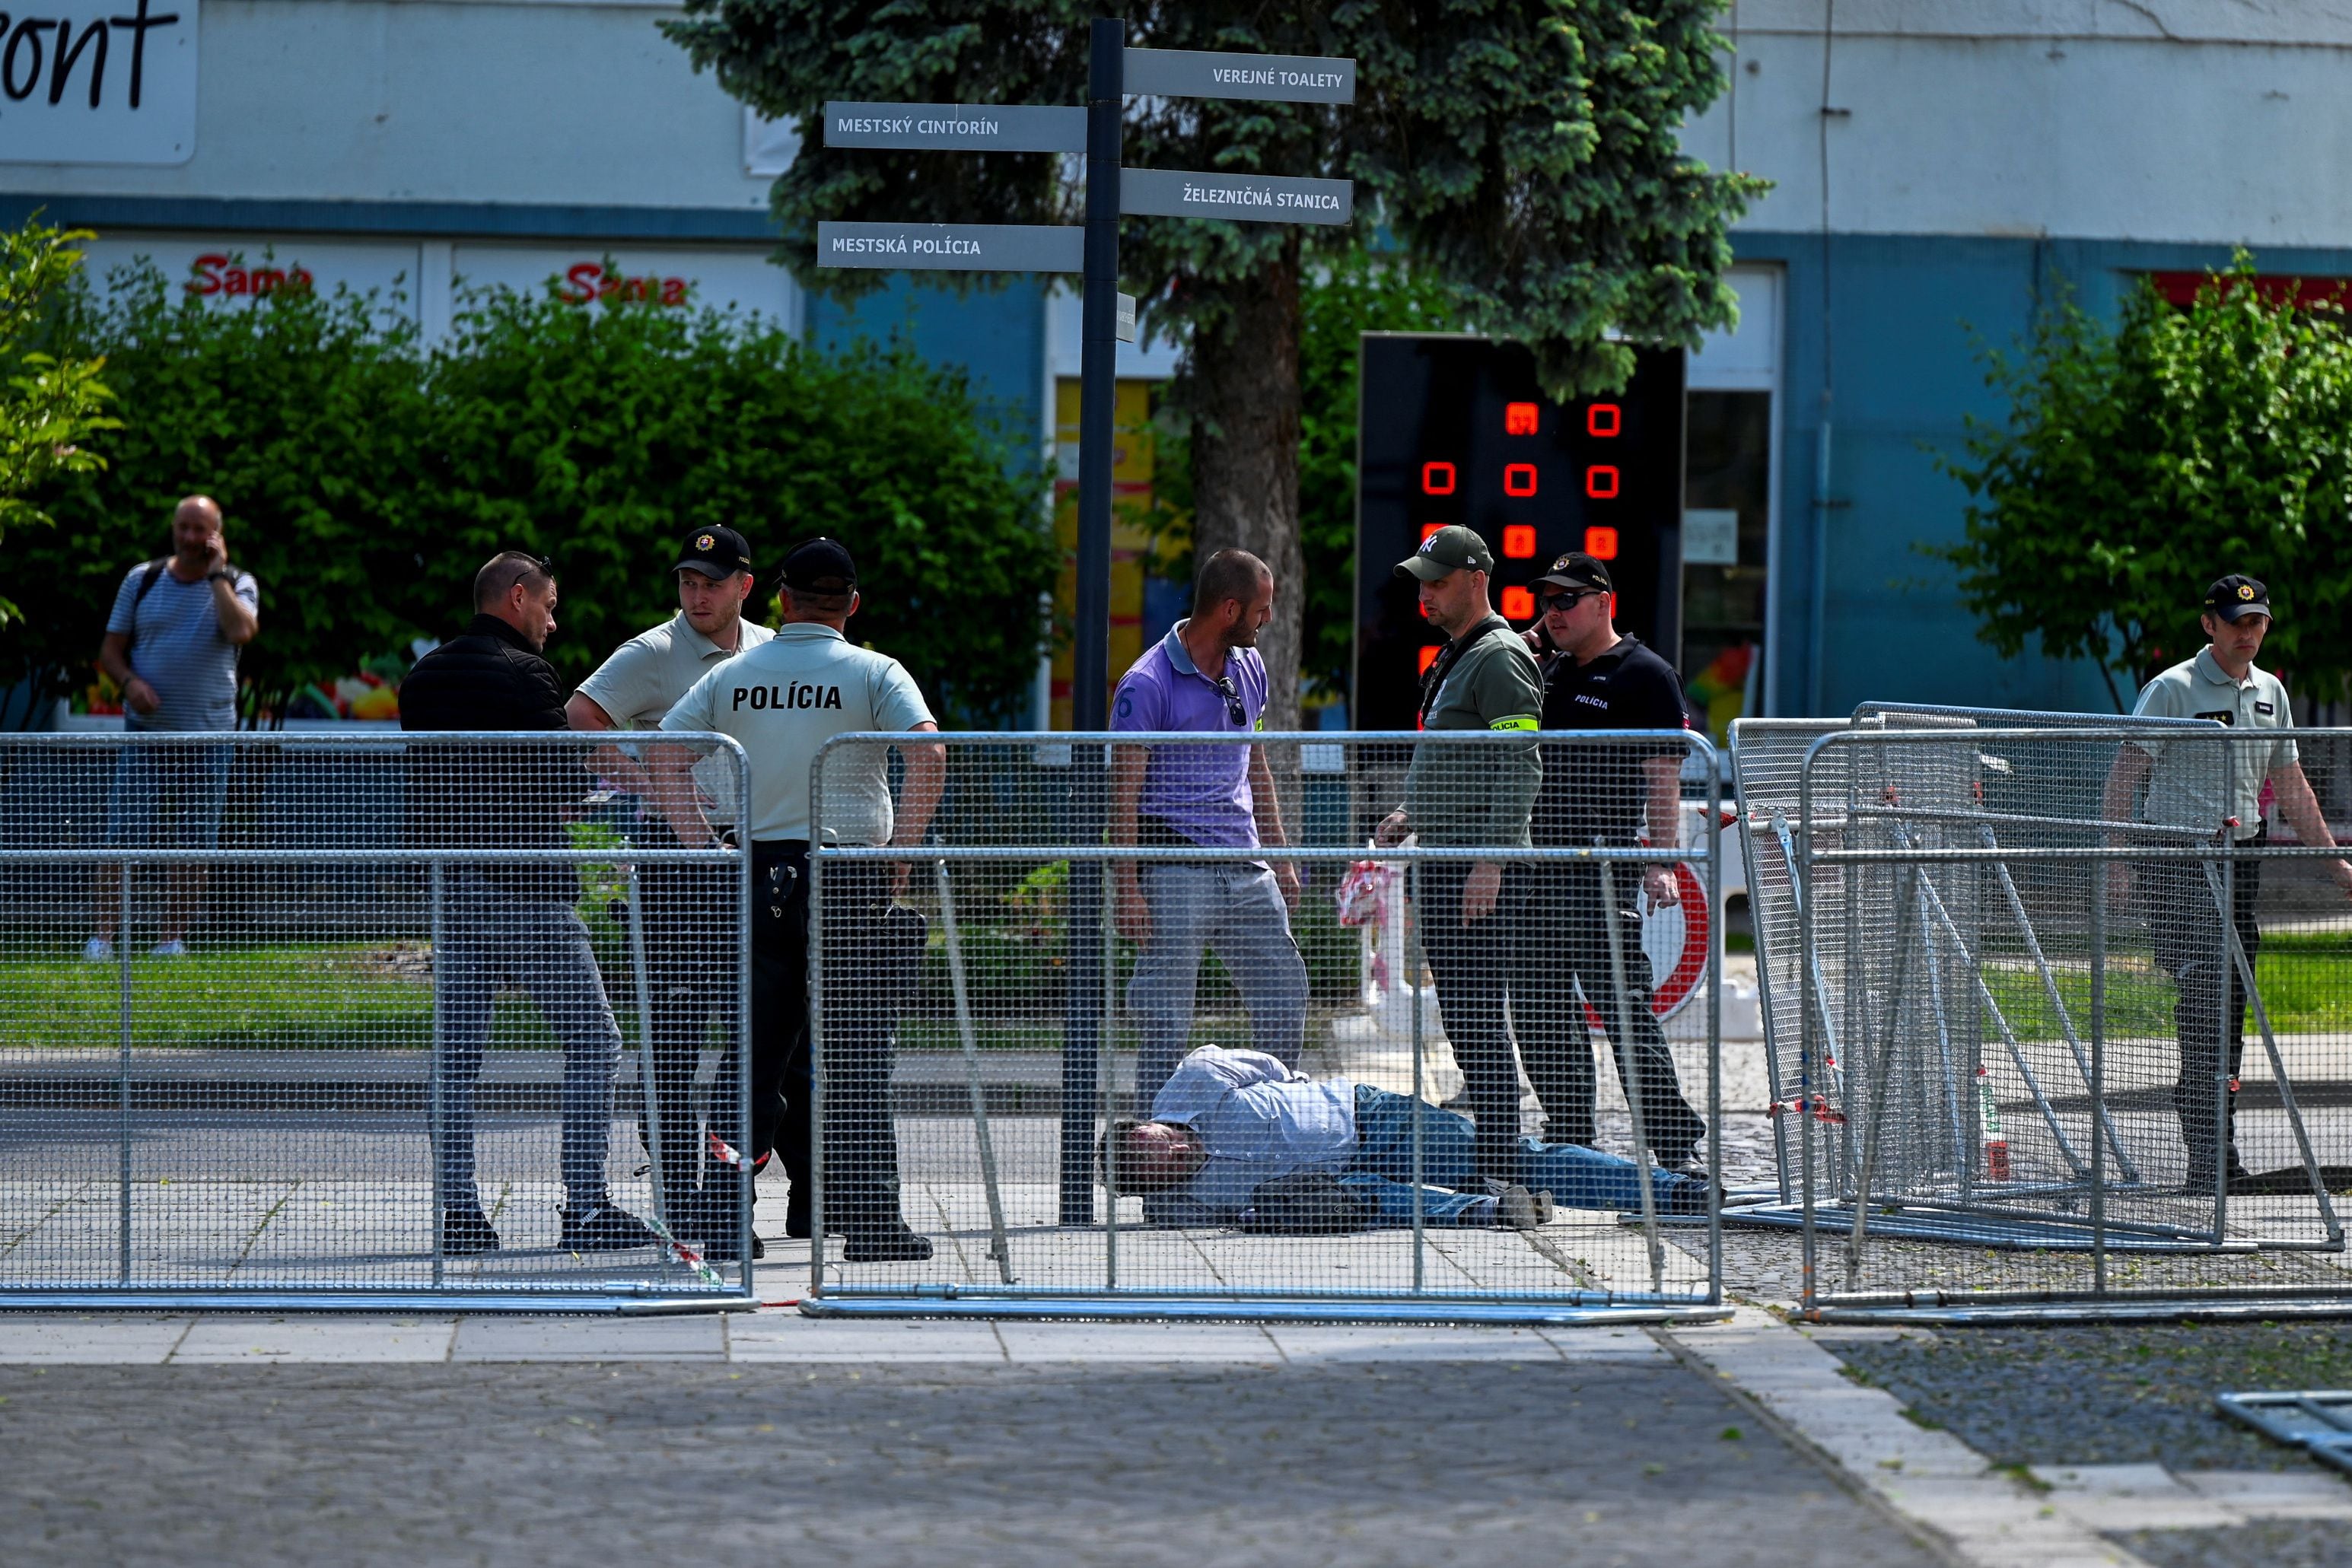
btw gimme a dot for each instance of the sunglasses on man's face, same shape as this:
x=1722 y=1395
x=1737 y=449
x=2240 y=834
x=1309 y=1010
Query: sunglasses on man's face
x=1561 y=603
x=1233 y=709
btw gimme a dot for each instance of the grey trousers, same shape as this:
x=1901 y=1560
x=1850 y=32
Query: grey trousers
x=490 y=940
x=1234 y=909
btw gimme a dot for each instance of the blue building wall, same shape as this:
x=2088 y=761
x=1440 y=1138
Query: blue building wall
x=1861 y=611
x=996 y=335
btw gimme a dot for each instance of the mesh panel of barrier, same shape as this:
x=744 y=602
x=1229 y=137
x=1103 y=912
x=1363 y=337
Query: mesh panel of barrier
x=320 y=1019
x=2091 y=1017
x=1111 y=1036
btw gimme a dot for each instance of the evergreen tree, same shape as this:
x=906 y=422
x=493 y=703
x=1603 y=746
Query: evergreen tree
x=1526 y=153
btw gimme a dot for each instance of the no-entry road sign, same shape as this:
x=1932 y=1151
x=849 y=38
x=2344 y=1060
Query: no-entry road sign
x=958 y=247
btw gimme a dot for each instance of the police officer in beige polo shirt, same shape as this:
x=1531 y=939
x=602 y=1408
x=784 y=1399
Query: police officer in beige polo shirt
x=2216 y=788
x=688 y=911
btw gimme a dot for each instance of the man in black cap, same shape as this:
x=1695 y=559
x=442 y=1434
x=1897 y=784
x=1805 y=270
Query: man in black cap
x=1471 y=797
x=689 y=914
x=2215 y=789
x=1599 y=795
x=783 y=701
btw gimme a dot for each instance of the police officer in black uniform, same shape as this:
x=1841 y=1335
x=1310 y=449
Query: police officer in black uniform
x=1595 y=678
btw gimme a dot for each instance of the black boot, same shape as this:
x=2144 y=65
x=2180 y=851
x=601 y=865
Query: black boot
x=891 y=1242
x=466 y=1230
x=605 y=1226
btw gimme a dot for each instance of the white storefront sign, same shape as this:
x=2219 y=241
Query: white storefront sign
x=117 y=86
x=587 y=274
x=239 y=268
x=427 y=280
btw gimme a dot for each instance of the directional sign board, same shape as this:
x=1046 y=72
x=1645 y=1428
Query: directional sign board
x=1249 y=198
x=953 y=248
x=1272 y=78
x=956 y=127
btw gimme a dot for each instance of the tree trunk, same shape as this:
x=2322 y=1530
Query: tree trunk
x=1245 y=398
x=1246 y=458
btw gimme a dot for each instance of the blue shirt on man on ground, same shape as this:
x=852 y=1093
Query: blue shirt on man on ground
x=1258 y=1121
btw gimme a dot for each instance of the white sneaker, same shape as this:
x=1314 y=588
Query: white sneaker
x=175 y=948
x=97 y=950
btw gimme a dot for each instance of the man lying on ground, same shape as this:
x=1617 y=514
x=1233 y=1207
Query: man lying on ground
x=1230 y=1122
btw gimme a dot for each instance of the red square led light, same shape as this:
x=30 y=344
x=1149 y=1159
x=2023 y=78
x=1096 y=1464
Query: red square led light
x=1600 y=544
x=1428 y=657
x=1604 y=419
x=1518 y=541
x=1601 y=482
x=1429 y=529
x=1518 y=479
x=1518 y=604
x=1437 y=478
x=1518 y=419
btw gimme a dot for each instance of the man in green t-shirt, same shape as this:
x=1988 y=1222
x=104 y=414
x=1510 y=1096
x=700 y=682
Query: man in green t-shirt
x=1471 y=797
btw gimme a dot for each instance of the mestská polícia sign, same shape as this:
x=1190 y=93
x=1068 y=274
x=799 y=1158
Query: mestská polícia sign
x=111 y=84
x=969 y=248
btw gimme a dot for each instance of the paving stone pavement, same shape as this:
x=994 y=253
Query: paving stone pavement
x=1596 y=1460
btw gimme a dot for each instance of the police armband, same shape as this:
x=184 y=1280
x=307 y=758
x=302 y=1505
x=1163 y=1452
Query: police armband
x=1515 y=721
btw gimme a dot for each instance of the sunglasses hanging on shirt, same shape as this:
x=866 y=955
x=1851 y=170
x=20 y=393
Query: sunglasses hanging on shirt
x=1233 y=709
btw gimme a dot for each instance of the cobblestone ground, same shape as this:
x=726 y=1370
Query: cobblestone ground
x=2264 y=1543
x=2105 y=1393
x=1491 y=1464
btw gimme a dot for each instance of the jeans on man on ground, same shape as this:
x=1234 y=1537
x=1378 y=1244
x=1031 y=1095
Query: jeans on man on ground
x=2210 y=994
x=492 y=939
x=1236 y=910
x=1471 y=965
x=869 y=963
x=1564 y=946
x=1452 y=1156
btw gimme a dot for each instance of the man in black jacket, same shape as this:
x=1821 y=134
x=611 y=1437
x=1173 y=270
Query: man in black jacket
x=510 y=923
x=1600 y=795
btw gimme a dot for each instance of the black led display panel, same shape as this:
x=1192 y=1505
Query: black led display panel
x=1454 y=430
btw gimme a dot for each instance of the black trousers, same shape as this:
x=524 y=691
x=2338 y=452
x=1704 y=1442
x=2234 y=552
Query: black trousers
x=2209 y=1007
x=869 y=950
x=690 y=924
x=1471 y=965
x=1563 y=946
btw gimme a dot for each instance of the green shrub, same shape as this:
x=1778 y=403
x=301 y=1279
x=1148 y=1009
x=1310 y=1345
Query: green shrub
x=365 y=477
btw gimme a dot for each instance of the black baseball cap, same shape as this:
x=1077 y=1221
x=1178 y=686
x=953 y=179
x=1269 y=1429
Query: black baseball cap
x=715 y=552
x=1449 y=550
x=820 y=565
x=2232 y=596
x=1577 y=569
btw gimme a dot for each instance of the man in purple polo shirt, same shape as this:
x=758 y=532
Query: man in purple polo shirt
x=1205 y=677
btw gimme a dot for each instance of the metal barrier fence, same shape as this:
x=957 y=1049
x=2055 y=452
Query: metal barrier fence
x=1123 y=1068
x=1768 y=759
x=2031 y=959
x=315 y=1020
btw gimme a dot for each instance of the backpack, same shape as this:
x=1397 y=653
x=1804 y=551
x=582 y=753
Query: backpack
x=154 y=568
x=1309 y=1203
x=148 y=577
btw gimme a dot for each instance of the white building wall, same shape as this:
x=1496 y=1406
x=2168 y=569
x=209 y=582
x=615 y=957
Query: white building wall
x=573 y=103
x=2205 y=121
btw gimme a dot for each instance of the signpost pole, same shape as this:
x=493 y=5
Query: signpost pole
x=1089 y=671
